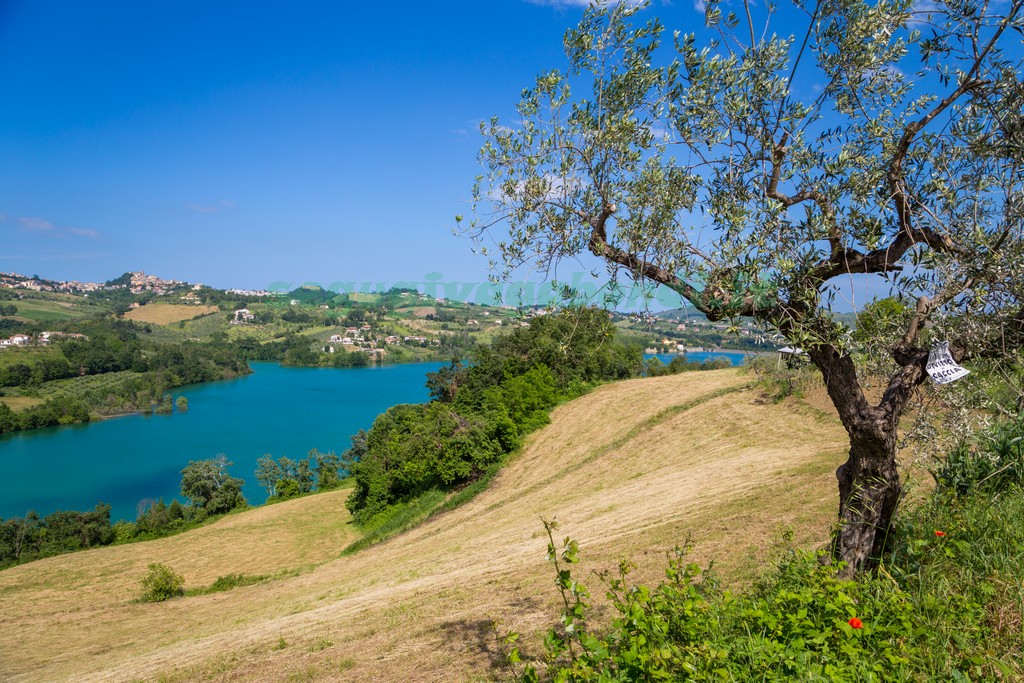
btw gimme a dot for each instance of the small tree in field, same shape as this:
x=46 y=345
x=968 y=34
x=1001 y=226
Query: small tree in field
x=757 y=170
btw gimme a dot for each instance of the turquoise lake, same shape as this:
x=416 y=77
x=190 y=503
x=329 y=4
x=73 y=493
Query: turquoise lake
x=126 y=460
x=734 y=357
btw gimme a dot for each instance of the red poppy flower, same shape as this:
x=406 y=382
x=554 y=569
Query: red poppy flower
x=855 y=623
x=940 y=534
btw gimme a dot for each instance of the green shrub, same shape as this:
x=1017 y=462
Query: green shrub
x=397 y=518
x=162 y=583
x=779 y=381
x=415 y=448
x=224 y=583
x=287 y=488
x=526 y=399
x=992 y=461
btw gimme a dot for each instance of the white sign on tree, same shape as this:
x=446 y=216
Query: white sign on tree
x=941 y=366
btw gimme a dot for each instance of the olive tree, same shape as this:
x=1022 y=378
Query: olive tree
x=209 y=486
x=757 y=171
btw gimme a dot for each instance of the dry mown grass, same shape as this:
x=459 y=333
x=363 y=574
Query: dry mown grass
x=165 y=314
x=633 y=468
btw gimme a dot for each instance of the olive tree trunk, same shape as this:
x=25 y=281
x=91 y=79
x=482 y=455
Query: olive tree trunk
x=869 y=482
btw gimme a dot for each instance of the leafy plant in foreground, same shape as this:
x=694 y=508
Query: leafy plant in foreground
x=946 y=606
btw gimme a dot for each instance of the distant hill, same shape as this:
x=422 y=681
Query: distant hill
x=633 y=468
x=693 y=314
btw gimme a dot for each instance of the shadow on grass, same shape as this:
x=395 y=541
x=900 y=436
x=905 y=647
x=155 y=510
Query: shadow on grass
x=485 y=637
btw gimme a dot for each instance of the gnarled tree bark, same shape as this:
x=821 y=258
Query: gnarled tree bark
x=869 y=482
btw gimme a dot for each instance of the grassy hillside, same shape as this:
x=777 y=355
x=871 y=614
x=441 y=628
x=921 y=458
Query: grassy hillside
x=50 y=308
x=633 y=468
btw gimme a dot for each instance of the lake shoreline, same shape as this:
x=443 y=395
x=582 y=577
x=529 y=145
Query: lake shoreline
x=280 y=410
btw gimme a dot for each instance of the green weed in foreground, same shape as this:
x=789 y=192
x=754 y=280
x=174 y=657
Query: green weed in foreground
x=946 y=608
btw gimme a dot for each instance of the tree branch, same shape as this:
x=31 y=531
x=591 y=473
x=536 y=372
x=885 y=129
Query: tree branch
x=772 y=192
x=894 y=174
x=600 y=246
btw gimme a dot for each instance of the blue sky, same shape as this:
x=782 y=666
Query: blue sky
x=246 y=143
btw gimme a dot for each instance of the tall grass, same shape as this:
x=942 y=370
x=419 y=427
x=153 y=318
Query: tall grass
x=397 y=518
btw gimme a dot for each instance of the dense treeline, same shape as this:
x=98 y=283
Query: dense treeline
x=206 y=484
x=113 y=345
x=481 y=410
x=33 y=537
x=297 y=351
x=654 y=367
x=147 y=370
x=317 y=296
x=33 y=374
x=9 y=326
x=286 y=478
x=59 y=410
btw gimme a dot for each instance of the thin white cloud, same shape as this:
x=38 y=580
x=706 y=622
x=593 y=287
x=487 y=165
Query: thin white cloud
x=84 y=232
x=922 y=12
x=56 y=255
x=199 y=208
x=560 y=4
x=699 y=6
x=567 y=4
x=35 y=224
x=43 y=226
x=556 y=188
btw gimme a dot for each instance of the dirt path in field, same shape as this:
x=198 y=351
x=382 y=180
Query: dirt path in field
x=632 y=469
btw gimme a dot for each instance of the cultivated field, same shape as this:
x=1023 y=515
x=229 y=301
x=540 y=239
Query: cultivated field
x=28 y=355
x=54 y=309
x=165 y=314
x=417 y=311
x=17 y=403
x=632 y=469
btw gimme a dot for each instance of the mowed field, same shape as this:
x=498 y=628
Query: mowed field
x=165 y=314
x=634 y=469
x=17 y=403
